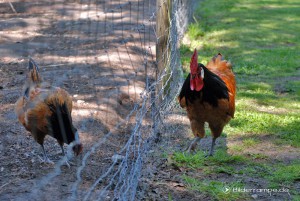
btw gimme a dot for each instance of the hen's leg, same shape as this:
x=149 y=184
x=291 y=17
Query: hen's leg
x=64 y=153
x=62 y=149
x=45 y=159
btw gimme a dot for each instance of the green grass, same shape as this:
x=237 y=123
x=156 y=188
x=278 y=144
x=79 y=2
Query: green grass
x=276 y=176
x=258 y=156
x=221 y=162
x=215 y=189
x=250 y=142
x=195 y=31
x=218 y=163
x=189 y=160
x=261 y=40
x=237 y=147
x=222 y=157
x=285 y=175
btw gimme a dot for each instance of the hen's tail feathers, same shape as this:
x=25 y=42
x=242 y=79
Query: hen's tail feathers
x=33 y=75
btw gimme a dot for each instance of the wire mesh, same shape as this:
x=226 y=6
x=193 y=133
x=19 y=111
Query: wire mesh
x=103 y=53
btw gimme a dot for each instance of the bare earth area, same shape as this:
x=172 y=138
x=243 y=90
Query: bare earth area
x=100 y=53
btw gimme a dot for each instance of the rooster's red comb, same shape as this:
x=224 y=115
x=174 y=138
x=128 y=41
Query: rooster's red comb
x=194 y=63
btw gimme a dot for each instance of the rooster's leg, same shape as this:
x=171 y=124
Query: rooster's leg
x=193 y=144
x=216 y=131
x=213 y=142
x=45 y=159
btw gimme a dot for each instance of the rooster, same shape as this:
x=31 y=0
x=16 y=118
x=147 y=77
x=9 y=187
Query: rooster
x=208 y=95
x=47 y=111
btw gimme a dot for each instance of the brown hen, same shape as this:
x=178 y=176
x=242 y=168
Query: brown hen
x=47 y=111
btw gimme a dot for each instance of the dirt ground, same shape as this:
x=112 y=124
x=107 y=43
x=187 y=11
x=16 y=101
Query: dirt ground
x=98 y=52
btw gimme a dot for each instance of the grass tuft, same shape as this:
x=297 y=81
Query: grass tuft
x=285 y=175
x=189 y=160
x=216 y=189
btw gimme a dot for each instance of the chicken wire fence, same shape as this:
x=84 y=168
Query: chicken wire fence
x=103 y=53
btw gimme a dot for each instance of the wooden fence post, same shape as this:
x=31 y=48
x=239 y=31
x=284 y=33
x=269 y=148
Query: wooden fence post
x=162 y=31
